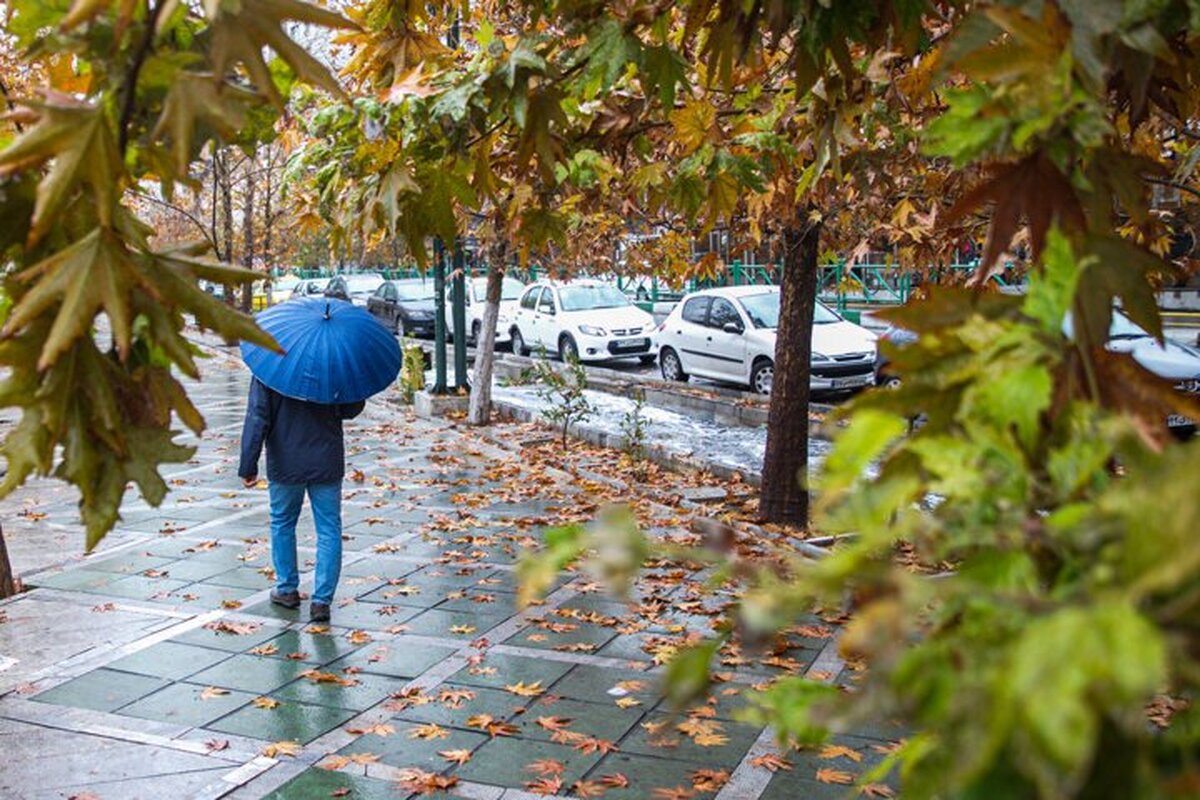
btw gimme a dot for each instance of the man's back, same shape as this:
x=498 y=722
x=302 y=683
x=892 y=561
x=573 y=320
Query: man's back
x=303 y=440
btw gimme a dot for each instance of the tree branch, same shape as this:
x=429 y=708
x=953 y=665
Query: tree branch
x=9 y=102
x=1171 y=185
x=135 y=68
x=183 y=213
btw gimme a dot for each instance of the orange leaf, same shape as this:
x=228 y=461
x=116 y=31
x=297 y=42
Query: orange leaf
x=826 y=775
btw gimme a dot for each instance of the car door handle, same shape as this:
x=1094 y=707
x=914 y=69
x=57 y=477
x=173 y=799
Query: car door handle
x=709 y=338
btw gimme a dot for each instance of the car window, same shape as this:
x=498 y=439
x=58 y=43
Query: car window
x=381 y=292
x=722 y=313
x=415 y=289
x=530 y=298
x=696 y=310
x=546 y=303
x=510 y=289
x=583 y=298
x=762 y=309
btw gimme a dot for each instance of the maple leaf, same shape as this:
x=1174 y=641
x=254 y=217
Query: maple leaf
x=195 y=98
x=379 y=729
x=553 y=723
x=265 y=702
x=284 y=748
x=614 y=780
x=429 y=731
x=628 y=702
x=79 y=139
x=422 y=782
x=771 y=761
x=588 y=789
x=548 y=785
x=456 y=756
x=465 y=630
x=711 y=739
x=546 y=766
x=364 y=758
x=709 y=780
x=268 y=649
x=342 y=792
x=827 y=775
x=216 y=745
x=233 y=628
x=840 y=751
x=480 y=720
x=210 y=692
x=521 y=690
x=359 y=637
x=453 y=698
x=878 y=790
x=594 y=745
x=674 y=793
x=334 y=763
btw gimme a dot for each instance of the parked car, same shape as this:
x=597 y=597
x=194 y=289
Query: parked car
x=510 y=293
x=309 y=287
x=1177 y=363
x=899 y=337
x=728 y=334
x=354 y=288
x=282 y=288
x=586 y=319
x=407 y=306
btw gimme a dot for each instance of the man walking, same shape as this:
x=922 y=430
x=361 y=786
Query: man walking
x=305 y=455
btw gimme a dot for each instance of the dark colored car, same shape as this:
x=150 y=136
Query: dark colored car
x=405 y=306
x=356 y=288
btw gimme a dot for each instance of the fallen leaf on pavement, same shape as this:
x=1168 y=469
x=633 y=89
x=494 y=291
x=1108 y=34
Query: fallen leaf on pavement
x=521 y=690
x=546 y=766
x=456 y=756
x=771 y=761
x=216 y=745
x=429 y=731
x=826 y=775
x=265 y=702
x=422 y=782
x=840 y=751
x=209 y=692
x=544 y=786
x=285 y=748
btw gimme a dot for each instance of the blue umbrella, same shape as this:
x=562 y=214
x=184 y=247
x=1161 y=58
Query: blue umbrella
x=334 y=352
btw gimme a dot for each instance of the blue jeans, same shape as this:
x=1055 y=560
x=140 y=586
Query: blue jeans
x=326 y=502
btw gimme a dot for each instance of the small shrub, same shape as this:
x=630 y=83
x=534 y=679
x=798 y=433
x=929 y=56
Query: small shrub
x=412 y=370
x=564 y=391
x=633 y=428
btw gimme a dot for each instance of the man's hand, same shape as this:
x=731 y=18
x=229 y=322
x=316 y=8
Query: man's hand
x=250 y=482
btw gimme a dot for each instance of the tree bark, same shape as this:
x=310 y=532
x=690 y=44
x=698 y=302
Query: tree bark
x=8 y=581
x=225 y=190
x=784 y=494
x=248 y=231
x=480 y=409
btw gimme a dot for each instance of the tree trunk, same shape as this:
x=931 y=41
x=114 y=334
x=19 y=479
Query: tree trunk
x=8 y=582
x=784 y=494
x=480 y=410
x=248 y=232
x=225 y=187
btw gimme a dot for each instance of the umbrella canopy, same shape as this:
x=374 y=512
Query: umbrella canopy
x=334 y=352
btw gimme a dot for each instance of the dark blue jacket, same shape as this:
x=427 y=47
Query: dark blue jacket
x=304 y=440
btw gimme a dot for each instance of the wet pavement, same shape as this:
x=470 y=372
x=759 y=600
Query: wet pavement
x=157 y=666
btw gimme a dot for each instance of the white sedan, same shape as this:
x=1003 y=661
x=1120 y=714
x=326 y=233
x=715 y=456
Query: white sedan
x=510 y=293
x=728 y=334
x=587 y=320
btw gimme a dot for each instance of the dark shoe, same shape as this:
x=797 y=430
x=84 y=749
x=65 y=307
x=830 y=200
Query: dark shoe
x=285 y=599
x=318 y=612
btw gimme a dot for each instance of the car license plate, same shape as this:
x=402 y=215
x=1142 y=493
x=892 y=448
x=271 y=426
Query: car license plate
x=847 y=383
x=1179 y=421
x=630 y=344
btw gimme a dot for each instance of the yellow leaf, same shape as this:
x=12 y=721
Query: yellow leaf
x=826 y=775
x=429 y=731
x=285 y=748
x=210 y=692
x=265 y=702
x=521 y=690
x=456 y=756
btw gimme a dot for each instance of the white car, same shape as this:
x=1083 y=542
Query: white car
x=309 y=287
x=586 y=319
x=510 y=293
x=728 y=334
x=282 y=288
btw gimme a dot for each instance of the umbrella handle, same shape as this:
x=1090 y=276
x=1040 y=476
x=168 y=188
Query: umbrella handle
x=326 y=310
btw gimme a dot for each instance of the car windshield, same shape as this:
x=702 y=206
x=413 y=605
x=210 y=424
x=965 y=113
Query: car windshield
x=363 y=284
x=584 y=298
x=510 y=289
x=1124 y=328
x=763 y=310
x=415 y=290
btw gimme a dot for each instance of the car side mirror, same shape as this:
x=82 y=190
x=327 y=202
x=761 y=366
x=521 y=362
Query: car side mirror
x=732 y=327
x=547 y=310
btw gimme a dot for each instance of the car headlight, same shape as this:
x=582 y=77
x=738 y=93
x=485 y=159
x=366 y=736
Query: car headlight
x=592 y=330
x=819 y=357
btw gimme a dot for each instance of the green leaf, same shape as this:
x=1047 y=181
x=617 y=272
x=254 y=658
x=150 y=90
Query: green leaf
x=94 y=274
x=78 y=138
x=869 y=433
x=686 y=678
x=196 y=98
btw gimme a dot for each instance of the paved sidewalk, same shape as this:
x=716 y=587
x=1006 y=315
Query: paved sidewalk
x=156 y=667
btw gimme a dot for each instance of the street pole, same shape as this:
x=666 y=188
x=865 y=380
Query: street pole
x=439 y=316
x=459 y=315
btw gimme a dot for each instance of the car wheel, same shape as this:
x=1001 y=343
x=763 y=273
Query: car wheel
x=567 y=349
x=762 y=377
x=397 y=326
x=889 y=382
x=518 y=343
x=672 y=367
x=475 y=328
